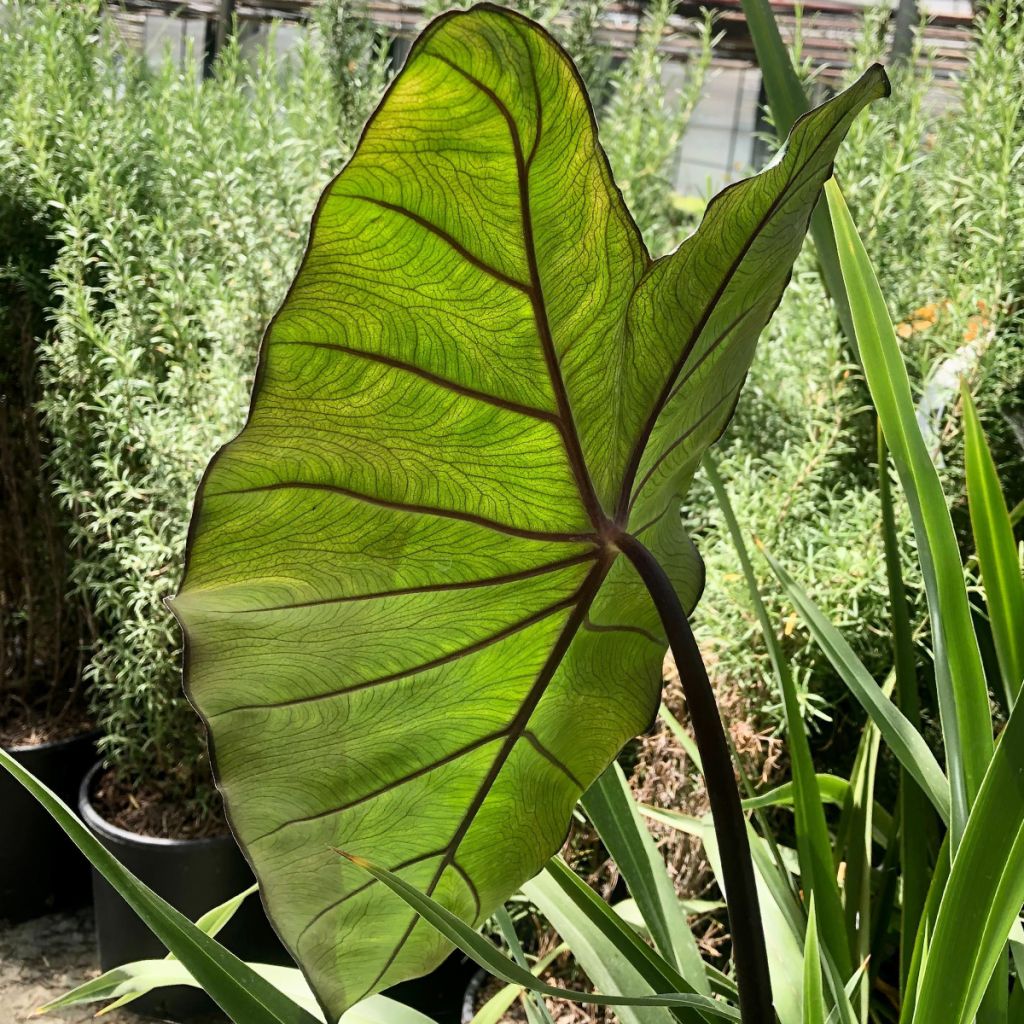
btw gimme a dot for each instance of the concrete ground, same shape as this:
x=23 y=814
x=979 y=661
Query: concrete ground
x=42 y=959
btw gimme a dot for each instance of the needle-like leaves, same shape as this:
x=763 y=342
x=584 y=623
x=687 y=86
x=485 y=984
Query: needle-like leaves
x=404 y=602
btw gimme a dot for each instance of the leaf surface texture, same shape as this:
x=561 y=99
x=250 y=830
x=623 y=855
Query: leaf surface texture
x=407 y=626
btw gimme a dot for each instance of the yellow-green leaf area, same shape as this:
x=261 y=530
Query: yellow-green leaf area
x=409 y=630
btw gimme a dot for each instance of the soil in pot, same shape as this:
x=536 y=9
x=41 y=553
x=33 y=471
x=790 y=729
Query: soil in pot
x=193 y=875
x=41 y=870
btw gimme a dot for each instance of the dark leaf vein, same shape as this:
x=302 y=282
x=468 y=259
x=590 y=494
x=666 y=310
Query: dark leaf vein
x=462 y=652
x=448 y=513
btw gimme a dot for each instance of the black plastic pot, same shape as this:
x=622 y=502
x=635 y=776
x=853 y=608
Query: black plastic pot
x=441 y=995
x=41 y=870
x=472 y=996
x=193 y=875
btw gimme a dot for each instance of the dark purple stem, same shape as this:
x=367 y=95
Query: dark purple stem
x=749 y=952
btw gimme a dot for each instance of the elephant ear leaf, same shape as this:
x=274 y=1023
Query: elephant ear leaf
x=408 y=628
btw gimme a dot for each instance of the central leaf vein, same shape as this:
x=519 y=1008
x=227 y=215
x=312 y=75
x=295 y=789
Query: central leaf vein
x=583 y=600
x=567 y=425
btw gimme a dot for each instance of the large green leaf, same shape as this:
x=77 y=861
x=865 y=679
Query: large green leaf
x=403 y=598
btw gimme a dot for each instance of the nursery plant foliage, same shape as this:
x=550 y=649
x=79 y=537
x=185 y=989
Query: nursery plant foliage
x=409 y=630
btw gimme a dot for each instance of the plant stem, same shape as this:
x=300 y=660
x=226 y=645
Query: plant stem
x=751 y=957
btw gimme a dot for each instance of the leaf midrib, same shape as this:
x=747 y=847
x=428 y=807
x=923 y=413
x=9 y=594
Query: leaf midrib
x=565 y=421
x=516 y=729
x=574 y=452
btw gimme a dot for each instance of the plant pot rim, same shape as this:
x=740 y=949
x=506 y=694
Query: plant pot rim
x=107 y=830
x=21 y=748
x=472 y=993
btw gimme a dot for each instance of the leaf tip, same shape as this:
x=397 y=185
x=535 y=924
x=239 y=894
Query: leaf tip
x=360 y=862
x=878 y=70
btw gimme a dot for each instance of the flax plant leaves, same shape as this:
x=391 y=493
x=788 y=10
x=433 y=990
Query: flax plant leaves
x=407 y=626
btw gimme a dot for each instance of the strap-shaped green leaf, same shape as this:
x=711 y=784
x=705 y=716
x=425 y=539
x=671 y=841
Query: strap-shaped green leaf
x=997 y=551
x=241 y=992
x=408 y=628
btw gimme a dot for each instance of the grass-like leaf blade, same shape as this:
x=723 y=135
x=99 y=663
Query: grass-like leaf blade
x=900 y=736
x=494 y=1010
x=815 y=1010
x=211 y=922
x=610 y=806
x=491 y=959
x=536 y=1011
x=997 y=552
x=135 y=979
x=604 y=942
x=917 y=826
x=235 y=987
x=784 y=920
x=817 y=870
x=982 y=899
x=959 y=673
x=834 y=789
x=788 y=101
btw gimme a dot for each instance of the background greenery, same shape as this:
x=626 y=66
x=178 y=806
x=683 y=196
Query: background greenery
x=163 y=231
x=934 y=189
x=177 y=209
